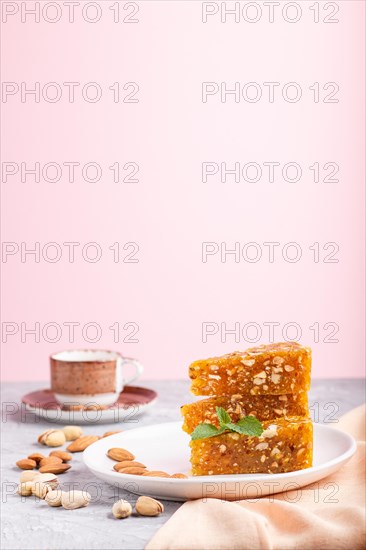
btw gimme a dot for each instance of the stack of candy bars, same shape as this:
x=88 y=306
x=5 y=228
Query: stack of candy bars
x=269 y=382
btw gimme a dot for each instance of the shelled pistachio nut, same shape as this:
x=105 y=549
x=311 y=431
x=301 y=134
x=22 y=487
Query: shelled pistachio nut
x=75 y=499
x=50 y=479
x=121 y=509
x=52 y=438
x=40 y=489
x=147 y=506
x=25 y=489
x=28 y=475
x=54 y=497
x=72 y=432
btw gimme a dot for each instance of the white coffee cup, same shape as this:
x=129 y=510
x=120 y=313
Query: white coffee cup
x=88 y=376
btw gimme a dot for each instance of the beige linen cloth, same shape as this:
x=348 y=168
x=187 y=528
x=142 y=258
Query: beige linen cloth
x=324 y=516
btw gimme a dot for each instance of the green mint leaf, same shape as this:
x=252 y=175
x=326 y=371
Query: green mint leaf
x=250 y=425
x=223 y=416
x=202 y=431
x=234 y=428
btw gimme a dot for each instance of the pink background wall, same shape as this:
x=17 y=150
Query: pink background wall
x=170 y=292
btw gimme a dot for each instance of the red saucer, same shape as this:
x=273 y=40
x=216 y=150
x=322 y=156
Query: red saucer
x=132 y=402
x=131 y=395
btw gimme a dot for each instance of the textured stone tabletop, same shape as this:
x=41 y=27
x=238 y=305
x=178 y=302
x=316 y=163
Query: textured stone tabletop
x=30 y=524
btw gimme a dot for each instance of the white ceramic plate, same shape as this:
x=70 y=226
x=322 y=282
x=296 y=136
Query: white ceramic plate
x=165 y=447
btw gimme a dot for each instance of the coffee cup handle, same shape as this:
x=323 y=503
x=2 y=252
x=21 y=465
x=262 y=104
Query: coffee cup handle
x=139 y=369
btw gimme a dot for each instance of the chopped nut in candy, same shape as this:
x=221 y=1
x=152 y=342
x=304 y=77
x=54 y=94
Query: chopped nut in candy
x=257 y=418
x=263 y=407
x=284 y=446
x=272 y=369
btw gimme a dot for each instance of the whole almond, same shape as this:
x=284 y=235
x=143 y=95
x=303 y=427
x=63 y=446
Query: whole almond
x=28 y=475
x=37 y=457
x=107 y=434
x=25 y=489
x=120 y=454
x=52 y=438
x=72 y=432
x=55 y=468
x=180 y=476
x=26 y=464
x=65 y=457
x=75 y=499
x=82 y=443
x=132 y=470
x=121 y=509
x=155 y=473
x=147 y=506
x=127 y=464
x=50 y=460
x=54 y=497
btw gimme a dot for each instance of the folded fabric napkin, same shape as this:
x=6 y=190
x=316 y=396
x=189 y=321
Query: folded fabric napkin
x=329 y=514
